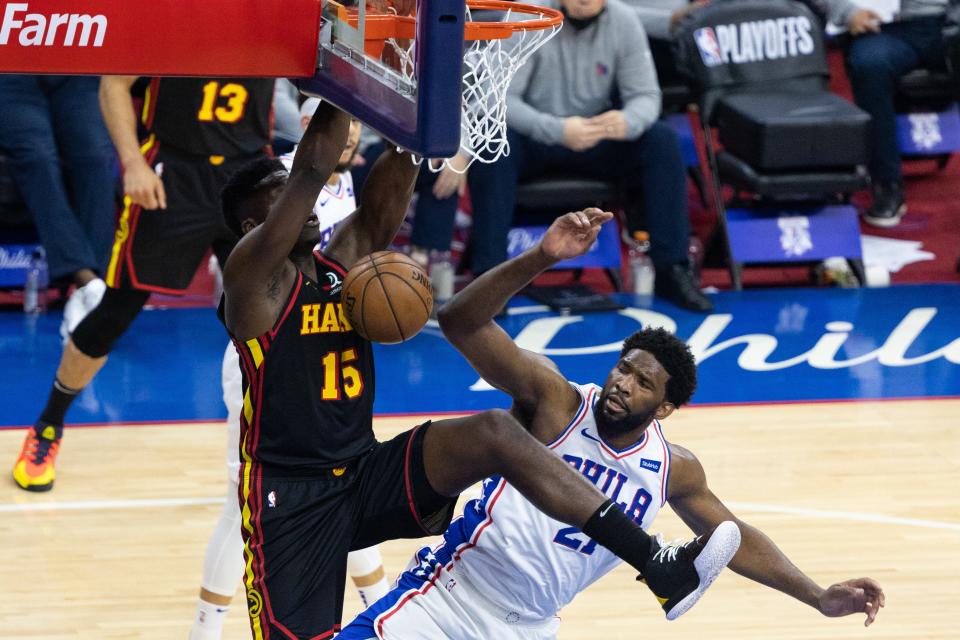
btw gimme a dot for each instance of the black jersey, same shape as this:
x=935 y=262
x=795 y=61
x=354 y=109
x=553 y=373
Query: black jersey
x=210 y=116
x=308 y=383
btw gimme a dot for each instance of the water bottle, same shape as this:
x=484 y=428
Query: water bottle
x=442 y=276
x=37 y=283
x=642 y=273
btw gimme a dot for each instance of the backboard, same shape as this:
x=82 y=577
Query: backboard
x=413 y=100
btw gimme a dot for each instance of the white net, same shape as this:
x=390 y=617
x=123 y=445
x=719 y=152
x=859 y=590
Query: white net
x=488 y=67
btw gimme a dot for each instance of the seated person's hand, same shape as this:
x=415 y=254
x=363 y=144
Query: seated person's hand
x=863 y=21
x=580 y=134
x=613 y=124
x=452 y=178
x=683 y=12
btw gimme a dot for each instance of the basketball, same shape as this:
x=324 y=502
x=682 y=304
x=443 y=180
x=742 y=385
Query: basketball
x=387 y=297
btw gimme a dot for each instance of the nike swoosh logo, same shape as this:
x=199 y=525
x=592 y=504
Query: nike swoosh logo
x=604 y=512
x=586 y=434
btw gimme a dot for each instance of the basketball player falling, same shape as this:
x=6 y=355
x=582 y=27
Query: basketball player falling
x=504 y=570
x=314 y=481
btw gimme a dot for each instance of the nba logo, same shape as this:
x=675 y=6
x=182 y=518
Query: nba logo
x=272 y=499
x=709 y=49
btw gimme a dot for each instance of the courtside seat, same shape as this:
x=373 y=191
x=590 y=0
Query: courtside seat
x=566 y=193
x=927 y=89
x=792 y=184
x=550 y=196
x=791 y=151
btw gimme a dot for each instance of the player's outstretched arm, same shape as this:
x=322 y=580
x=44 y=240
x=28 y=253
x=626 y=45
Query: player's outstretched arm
x=258 y=272
x=758 y=557
x=467 y=320
x=383 y=204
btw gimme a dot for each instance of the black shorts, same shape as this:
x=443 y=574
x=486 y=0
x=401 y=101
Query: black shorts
x=159 y=250
x=298 y=529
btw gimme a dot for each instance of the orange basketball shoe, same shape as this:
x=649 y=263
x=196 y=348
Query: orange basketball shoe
x=33 y=470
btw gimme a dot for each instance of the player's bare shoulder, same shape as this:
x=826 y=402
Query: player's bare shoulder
x=686 y=473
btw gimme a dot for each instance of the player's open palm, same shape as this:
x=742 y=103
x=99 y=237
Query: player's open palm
x=573 y=234
x=860 y=595
x=144 y=186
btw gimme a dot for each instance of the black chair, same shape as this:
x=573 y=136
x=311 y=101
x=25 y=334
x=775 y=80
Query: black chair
x=788 y=144
x=552 y=195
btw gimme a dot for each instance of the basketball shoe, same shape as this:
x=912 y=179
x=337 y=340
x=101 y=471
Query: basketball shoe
x=33 y=470
x=680 y=573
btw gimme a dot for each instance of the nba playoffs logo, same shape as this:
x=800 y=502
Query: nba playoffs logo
x=709 y=48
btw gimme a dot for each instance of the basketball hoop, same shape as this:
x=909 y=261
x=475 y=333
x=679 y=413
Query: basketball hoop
x=494 y=51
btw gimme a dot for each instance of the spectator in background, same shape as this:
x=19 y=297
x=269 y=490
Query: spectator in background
x=877 y=57
x=63 y=163
x=286 y=116
x=561 y=116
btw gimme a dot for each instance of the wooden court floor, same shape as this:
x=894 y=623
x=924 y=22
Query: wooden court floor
x=846 y=489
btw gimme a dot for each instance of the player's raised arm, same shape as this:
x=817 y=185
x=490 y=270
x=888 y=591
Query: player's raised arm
x=467 y=320
x=383 y=204
x=258 y=275
x=758 y=558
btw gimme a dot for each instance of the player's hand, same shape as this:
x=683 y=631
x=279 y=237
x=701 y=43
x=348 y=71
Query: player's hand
x=612 y=123
x=452 y=178
x=573 y=234
x=144 y=186
x=580 y=134
x=863 y=21
x=860 y=595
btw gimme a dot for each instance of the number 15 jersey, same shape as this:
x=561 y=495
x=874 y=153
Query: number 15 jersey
x=308 y=383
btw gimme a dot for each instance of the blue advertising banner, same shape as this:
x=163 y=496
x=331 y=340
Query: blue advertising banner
x=777 y=235
x=14 y=261
x=605 y=252
x=757 y=346
x=929 y=133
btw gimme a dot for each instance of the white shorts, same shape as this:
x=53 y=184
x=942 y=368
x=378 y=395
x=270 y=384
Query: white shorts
x=448 y=608
x=232 y=381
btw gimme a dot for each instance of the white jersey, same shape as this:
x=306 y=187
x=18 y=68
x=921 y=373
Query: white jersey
x=333 y=204
x=527 y=563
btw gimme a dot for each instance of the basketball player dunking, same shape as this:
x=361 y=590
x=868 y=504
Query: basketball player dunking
x=314 y=481
x=223 y=563
x=504 y=570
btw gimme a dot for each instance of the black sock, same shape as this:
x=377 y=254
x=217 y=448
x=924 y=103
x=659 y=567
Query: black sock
x=61 y=397
x=610 y=527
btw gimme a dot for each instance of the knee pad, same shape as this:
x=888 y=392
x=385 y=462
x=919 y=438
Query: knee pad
x=96 y=333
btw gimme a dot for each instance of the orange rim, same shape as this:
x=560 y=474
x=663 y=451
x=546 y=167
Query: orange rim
x=501 y=30
x=381 y=27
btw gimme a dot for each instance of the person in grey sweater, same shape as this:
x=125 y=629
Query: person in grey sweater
x=561 y=116
x=878 y=55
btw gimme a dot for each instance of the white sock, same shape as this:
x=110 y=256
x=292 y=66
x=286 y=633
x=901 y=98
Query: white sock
x=373 y=592
x=208 y=623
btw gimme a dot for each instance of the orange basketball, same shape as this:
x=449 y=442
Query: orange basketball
x=387 y=297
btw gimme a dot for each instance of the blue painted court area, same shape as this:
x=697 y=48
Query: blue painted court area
x=757 y=346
